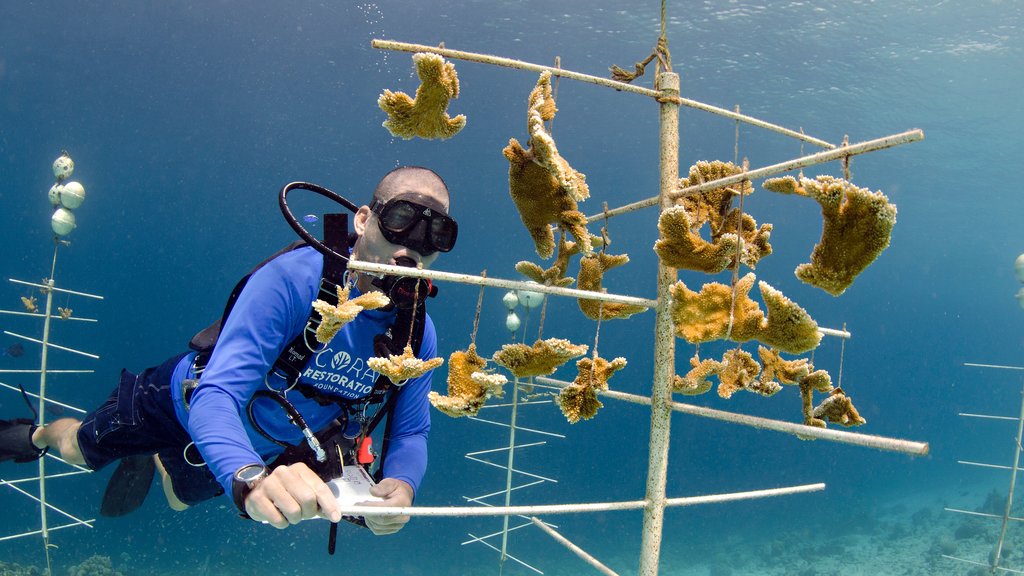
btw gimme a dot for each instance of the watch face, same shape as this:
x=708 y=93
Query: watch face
x=250 y=473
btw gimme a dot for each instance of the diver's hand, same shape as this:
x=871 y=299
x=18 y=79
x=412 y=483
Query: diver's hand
x=395 y=493
x=290 y=495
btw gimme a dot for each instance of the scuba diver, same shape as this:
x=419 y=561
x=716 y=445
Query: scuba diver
x=260 y=411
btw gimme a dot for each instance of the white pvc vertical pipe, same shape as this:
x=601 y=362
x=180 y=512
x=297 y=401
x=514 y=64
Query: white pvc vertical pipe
x=664 y=343
x=1013 y=482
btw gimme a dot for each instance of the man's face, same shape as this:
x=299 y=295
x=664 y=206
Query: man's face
x=373 y=247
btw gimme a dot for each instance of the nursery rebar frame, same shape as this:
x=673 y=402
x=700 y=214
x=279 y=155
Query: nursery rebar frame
x=655 y=500
x=48 y=288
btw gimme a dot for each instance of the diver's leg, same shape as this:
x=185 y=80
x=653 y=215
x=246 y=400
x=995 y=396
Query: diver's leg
x=165 y=481
x=61 y=434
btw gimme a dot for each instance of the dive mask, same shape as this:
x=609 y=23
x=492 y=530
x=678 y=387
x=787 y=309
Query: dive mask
x=400 y=221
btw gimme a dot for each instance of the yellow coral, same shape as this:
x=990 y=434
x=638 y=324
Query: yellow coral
x=425 y=116
x=739 y=370
x=578 y=401
x=30 y=304
x=543 y=186
x=785 y=371
x=541 y=359
x=592 y=269
x=838 y=408
x=704 y=316
x=857 y=226
x=401 y=367
x=711 y=205
x=332 y=318
x=555 y=275
x=788 y=327
x=468 y=387
x=698 y=379
x=818 y=380
x=680 y=247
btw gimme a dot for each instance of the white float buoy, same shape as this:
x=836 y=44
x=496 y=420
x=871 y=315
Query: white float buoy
x=72 y=195
x=512 y=322
x=1019 y=267
x=62 y=221
x=510 y=300
x=1020 y=297
x=530 y=299
x=63 y=167
x=55 y=191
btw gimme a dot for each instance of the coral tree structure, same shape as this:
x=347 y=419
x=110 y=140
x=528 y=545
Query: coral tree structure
x=544 y=187
x=469 y=386
x=680 y=244
x=541 y=359
x=578 y=400
x=704 y=316
x=857 y=226
x=401 y=367
x=426 y=115
x=592 y=269
x=332 y=318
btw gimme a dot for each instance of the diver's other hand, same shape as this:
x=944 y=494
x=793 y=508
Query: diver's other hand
x=290 y=495
x=395 y=493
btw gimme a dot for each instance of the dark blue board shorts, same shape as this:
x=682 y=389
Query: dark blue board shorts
x=138 y=418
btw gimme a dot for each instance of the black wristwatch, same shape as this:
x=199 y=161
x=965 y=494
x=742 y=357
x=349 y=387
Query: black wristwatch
x=245 y=479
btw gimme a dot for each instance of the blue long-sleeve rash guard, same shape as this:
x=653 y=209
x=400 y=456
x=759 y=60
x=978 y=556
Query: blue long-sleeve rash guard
x=271 y=311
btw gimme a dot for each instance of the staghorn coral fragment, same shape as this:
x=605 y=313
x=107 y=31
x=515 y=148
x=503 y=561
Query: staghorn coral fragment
x=332 y=318
x=739 y=370
x=838 y=409
x=592 y=269
x=555 y=275
x=578 y=400
x=541 y=359
x=425 y=116
x=764 y=387
x=401 y=367
x=704 y=316
x=756 y=243
x=698 y=380
x=543 y=186
x=682 y=248
x=30 y=304
x=785 y=371
x=788 y=327
x=818 y=380
x=857 y=227
x=469 y=386
x=711 y=205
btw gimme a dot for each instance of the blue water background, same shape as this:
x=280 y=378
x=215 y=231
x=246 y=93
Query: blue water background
x=185 y=119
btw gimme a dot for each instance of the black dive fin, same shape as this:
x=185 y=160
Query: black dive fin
x=16 y=441
x=129 y=485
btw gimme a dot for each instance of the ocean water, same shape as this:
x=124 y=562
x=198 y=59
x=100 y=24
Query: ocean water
x=186 y=118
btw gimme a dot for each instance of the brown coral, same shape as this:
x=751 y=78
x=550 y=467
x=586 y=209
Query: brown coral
x=543 y=186
x=680 y=247
x=785 y=371
x=739 y=370
x=425 y=116
x=401 y=367
x=704 y=316
x=468 y=387
x=555 y=275
x=857 y=226
x=711 y=205
x=698 y=380
x=332 y=318
x=578 y=401
x=592 y=269
x=541 y=359
x=838 y=409
x=818 y=380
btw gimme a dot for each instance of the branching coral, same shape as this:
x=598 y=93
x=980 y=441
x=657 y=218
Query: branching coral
x=401 y=367
x=681 y=245
x=555 y=275
x=592 y=269
x=857 y=226
x=838 y=409
x=698 y=380
x=541 y=359
x=739 y=370
x=785 y=371
x=332 y=318
x=468 y=386
x=578 y=401
x=543 y=186
x=425 y=116
x=704 y=316
x=818 y=380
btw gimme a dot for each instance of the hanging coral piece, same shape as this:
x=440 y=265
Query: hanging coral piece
x=543 y=186
x=857 y=226
x=592 y=269
x=469 y=386
x=838 y=409
x=698 y=380
x=541 y=359
x=401 y=367
x=555 y=275
x=818 y=380
x=739 y=370
x=710 y=206
x=332 y=318
x=578 y=400
x=680 y=247
x=425 y=116
x=30 y=304
x=704 y=316
x=785 y=371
